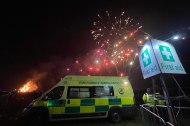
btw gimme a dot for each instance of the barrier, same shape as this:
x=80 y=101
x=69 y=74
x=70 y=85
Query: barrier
x=151 y=116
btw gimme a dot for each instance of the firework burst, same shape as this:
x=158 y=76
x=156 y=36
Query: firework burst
x=117 y=41
x=116 y=35
x=109 y=29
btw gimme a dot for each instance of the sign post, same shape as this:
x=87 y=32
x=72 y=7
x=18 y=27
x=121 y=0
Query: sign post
x=157 y=57
x=171 y=113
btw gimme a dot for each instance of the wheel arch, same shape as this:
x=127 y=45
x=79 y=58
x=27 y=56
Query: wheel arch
x=115 y=114
x=115 y=108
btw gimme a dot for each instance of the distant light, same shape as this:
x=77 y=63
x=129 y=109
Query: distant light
x=136 y=54
x=121 y=74
x=140 y=42
x=77 y=61
x=68 y=69
x=97 y=61
x=97 y=69
x=146 y=37
x=183 y=38
x=106 y=64
x=116 y=45
x=125 y=37
x=120 y=42
x=98 y=51
x=90 y=68
x=131 y=63
x=176 y=37
x=131 y=34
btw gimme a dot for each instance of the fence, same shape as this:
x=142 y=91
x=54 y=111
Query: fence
x=152 y=116
x=156 y=115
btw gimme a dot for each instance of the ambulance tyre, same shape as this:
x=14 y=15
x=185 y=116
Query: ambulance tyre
x=115 y=115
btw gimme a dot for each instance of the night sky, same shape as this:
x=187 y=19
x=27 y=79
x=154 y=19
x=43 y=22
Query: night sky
x=40 y=36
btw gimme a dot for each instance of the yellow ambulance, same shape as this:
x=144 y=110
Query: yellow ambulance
x=81 y=97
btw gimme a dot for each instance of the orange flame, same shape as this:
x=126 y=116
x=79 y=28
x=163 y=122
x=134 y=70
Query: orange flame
x=28 y=87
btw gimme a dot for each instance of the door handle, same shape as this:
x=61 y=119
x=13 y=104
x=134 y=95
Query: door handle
x=68 y=101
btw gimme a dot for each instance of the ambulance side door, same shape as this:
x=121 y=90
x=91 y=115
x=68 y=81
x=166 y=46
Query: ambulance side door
x=55 y=103
x=79 y=102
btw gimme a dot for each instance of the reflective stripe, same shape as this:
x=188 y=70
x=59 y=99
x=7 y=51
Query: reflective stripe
x=87 y=102
x=87 y=109
x=87 y=105
x=72 y=110
x=115 y=101
x=101 y=101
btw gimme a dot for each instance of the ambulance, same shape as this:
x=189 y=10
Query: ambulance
x=82 y=97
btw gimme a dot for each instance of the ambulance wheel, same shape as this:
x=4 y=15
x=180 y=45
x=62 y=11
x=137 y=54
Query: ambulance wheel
x=115 y=116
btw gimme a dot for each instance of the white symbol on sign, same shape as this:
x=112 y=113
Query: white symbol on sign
x=146 y=57
x=166 y=53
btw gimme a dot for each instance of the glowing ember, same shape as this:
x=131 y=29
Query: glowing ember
x=28 y=87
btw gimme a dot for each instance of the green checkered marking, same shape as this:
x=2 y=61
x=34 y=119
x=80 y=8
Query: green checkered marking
x=87 y=102
x=115 y=101
x=166 y=53
x=54 y=103
x=101 y=108
x=146 y=58
x=72 y=109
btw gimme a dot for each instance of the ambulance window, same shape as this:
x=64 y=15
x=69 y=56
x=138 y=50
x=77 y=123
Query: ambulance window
x=73 y=92
x=103 y=91
x=55 y=93
x=84 y=93
x=76 y=92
